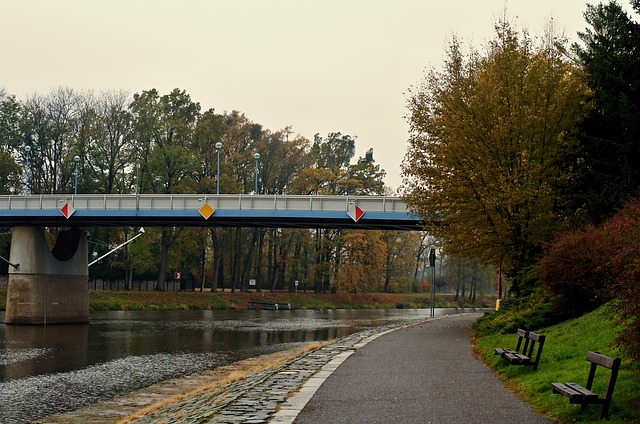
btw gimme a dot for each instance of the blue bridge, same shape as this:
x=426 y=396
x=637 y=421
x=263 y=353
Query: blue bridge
x=204 y=210
x=48 y=286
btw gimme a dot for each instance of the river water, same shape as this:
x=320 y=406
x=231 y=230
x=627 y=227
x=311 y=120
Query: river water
x=58 y=368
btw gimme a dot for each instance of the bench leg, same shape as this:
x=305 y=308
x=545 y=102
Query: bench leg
x=605 y=410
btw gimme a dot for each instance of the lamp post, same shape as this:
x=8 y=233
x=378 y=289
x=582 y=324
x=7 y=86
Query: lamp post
x=218 y=146
x=27 y=149
x=75 y=187
x=137 y=178
x=257 y=157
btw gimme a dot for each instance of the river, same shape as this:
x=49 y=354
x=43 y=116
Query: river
x=59 y=368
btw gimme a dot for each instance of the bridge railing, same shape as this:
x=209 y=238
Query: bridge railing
x=195 y=201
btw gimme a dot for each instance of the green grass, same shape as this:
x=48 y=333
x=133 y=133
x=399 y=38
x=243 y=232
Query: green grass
x=563 y=360
x=105 y=300
x=135 y=301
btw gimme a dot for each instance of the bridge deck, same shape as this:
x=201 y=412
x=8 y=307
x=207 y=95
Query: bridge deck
x=229 y=210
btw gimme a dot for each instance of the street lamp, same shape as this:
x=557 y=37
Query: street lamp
x=27 y=149
x=256 y=156
x=218 y=146
x=75 y=187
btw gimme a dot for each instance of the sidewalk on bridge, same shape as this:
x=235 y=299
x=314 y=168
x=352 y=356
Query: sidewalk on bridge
x=425 y=373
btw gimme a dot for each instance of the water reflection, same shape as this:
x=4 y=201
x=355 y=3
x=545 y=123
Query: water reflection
x=49 y=369
x=29 y=350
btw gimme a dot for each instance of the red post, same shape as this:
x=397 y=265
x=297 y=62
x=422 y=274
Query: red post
x=499 y=286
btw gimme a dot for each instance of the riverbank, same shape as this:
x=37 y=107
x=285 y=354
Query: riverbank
x=216 y=383
x=106 y=300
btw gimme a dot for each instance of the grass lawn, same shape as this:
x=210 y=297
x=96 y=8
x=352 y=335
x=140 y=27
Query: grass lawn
x=563 y=360
x=105 y=300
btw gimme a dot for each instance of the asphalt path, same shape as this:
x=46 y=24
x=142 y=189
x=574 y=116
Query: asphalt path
x=425 y=373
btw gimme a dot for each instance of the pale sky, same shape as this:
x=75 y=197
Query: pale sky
x=316 y=66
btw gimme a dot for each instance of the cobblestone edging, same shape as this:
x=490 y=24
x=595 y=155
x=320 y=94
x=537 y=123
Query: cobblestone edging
x=266 y=395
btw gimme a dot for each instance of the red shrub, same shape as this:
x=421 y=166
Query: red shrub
x=587 y=267
x=625 y=268
x=574 y=269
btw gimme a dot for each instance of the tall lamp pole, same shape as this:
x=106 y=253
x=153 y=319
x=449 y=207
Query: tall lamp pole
x=75 y=187
x=218 y=146
x=257 y=157
x=27 y=149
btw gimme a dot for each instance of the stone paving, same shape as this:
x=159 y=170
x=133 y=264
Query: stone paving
x=275 y=395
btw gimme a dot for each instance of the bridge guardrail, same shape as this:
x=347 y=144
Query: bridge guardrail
x=195 y=201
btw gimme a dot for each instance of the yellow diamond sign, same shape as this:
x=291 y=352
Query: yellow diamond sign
x=206 y=211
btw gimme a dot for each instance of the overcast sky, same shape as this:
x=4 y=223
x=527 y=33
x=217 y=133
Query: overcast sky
x=316 y=66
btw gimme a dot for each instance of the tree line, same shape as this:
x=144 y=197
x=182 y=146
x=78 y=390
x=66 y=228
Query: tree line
x=165 y=143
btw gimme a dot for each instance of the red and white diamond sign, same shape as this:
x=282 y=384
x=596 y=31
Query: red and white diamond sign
x=355 y=212
x=67 y=210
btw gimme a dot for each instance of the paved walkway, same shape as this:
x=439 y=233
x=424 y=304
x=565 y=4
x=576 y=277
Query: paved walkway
x=420 y=373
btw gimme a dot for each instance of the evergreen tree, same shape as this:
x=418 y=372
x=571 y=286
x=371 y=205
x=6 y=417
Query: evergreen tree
x=611 y=132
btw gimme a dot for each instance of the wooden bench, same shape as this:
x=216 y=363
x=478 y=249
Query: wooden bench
x=522 y=336
x=529 y=355
x=583 y=395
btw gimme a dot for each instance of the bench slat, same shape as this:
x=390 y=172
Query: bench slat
x=517 y=358
x=588 y=394
x=504 y=350
x=576 y=393
x=566 y=390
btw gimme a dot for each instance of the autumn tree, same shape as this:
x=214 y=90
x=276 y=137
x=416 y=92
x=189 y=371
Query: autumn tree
x=281 y=160
x=329 y=170
x=366 y=177
x=360 y=262
x=210 y=130
x=489 y=139
x=401 y=250
x=163 y=128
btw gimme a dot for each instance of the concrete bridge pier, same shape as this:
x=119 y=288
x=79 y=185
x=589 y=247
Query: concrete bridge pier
x=48 y=286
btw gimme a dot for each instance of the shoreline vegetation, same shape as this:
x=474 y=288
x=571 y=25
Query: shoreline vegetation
x=100 y=300
x=107 y=300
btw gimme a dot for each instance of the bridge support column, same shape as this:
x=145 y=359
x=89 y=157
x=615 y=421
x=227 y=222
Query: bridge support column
x=48 y=287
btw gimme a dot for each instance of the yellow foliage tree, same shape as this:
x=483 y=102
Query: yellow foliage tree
x=491 y=145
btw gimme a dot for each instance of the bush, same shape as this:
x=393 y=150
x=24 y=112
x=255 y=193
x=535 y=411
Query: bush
x=530 y=312
x=585 y=268
x=575 y=272
x=625 y=268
